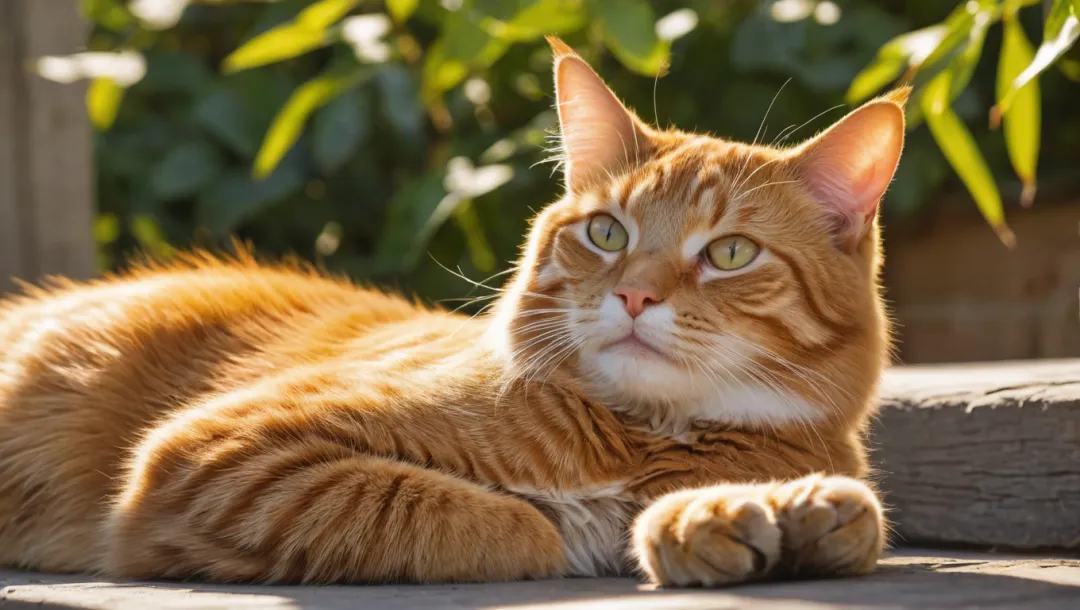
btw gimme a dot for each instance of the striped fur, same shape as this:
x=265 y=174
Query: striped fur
x=236 y=421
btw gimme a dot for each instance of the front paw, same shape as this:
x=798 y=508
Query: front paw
x=706 y=537
x=833 y=526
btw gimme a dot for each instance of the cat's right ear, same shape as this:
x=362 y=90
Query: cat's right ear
x=600 y=136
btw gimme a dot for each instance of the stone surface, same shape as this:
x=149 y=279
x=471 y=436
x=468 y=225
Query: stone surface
x=917 y=580
x=985 y=454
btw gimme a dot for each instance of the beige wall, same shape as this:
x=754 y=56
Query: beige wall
x=959 y=295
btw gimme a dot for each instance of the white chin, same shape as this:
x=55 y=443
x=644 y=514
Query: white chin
x=637 y=373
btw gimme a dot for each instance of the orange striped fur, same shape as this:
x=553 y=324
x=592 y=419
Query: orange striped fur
x=235 y=421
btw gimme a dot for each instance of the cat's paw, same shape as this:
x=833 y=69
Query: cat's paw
x=705 y=537
x=832 y=526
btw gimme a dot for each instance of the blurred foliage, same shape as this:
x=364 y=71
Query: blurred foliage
x=380 y=137
x=940 y=60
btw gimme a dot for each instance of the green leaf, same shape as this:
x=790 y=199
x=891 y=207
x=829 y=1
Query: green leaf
x=399 y=104
x=109 y=14
x=282 y=42
x=106 y=229
x=289 y=122
x=872 y=78
x=957 y=29
x=148 y=233
x=1023 y=122
x=224 y=116
x=960 y=47
x=630 y=32
x=463 y=38
x=236 y=197
x=408 y=226
x=306 y=33
x=1070 y=68
x=103 y=98
x=401 y=10
x=462 y=45
x=539 y=19
x=480 y=252
x=324 y=13
x=338 y=130
x=964 y=63
x=905 y=50
x=1061 y=32
x=186 y=170
x=440 y=74
x=959 y=148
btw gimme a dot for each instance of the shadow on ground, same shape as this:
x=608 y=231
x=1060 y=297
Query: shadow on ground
x=921 y=583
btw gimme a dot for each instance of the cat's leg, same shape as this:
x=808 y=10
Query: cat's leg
x=313 y=511
x=727 y=534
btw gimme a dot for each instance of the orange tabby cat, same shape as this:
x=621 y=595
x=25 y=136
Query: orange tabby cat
x=676 y=380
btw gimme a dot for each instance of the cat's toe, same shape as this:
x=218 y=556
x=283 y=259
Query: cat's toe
x=832 y=526
x=709 y=537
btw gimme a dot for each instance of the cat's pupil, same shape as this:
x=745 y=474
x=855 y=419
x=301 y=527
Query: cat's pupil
x=731 y=251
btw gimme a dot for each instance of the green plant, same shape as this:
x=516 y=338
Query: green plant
x=940 y=60
x=377 y=138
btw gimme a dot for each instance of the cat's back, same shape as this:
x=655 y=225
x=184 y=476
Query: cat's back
x=85 y=369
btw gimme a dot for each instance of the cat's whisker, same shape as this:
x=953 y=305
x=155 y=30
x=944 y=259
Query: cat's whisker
x=746 y=193
x=812 y=119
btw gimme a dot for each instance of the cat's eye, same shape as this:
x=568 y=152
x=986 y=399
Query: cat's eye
x=732 y=252
x=607 y=233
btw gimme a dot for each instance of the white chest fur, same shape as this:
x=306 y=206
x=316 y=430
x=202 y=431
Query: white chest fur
x=595 y=526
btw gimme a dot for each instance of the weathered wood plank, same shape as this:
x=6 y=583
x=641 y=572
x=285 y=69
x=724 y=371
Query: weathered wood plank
x=12 y=247
x=46 y=163
x=985 y=454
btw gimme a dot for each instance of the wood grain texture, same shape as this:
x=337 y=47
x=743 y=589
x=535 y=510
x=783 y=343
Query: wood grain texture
x=46 y=162
x=983 y=454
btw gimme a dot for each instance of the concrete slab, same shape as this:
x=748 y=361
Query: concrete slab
x=912 y=579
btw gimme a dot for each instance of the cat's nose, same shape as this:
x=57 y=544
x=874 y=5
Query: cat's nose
x=636 y=298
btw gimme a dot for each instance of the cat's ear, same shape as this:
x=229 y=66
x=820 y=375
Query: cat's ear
x=600 y=136
x=848 y=167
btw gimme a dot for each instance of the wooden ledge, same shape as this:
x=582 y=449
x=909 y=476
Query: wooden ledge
x=982 y=454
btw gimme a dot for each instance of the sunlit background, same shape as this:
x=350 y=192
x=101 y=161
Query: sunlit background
x=390 y=141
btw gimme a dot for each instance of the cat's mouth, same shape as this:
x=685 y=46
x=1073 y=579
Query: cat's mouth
x=634 y=345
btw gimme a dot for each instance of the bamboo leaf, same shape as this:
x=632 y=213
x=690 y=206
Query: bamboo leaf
x=1061 y=32
x=905 y=50
x=280 y=43
x=540 y=18
x=872 y=78
x=305 y=33
x=1023 y=122
x=325 y=13
x=401 y=10
x=103 y=98
x=959 y=148
x=287 y=126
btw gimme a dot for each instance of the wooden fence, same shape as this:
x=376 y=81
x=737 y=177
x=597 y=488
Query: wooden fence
x=46 y=160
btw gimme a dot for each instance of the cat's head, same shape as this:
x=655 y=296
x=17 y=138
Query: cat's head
x=689 y=277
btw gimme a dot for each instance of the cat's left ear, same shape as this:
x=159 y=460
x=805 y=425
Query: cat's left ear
x=848 y=167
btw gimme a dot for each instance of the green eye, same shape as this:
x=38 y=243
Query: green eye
x=607 y=233
x=732 y=252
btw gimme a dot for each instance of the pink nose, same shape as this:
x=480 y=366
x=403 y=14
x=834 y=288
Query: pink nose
x=636 y=298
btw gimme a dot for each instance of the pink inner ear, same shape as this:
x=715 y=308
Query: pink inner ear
x=599 y=134
x=849 y=166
